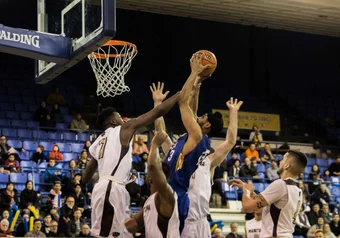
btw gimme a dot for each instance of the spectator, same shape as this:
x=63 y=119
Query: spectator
x=315 y=171
x=80 y=198
x=314 y=214
x=251 y=152
x=142 y=166
x=317 y=226
x=134 y=192
x=256 y=136
x=83 y=159
x=39 y=155
x=54 y=230
x=70 y=184
x=55 y=98
x=266 y=154
x=302 y=223
x=52 y=173
x=66 y=214
x=87 y=145
x=272 y=171
x=327 y=231
x=85 y=231
x=326 y=176
x=12 y=165
x=304 y=189
x=41 y=113
x=56 y=154
x=233 y=233
x=139 y=147
x=21 y=230
x=9 y=198
x=234 y=171
x=6 y=150
x=54 y=199
x=217 y=233
x=79 y=124
x=321 y=195
x=315 y=183
x=74 y=225
x=46 y=224
x=319 y=234
x=327 y=216
x=48 y=124
x=36 y=230
x=231 y=161
x=28 y=196
x=316 y=147
x=4 y=227
x=248 y=170
x=301 y=176
x=72 y=169
x=335 y=225
x=56 y=114
x=334 y=168
x=5 y=214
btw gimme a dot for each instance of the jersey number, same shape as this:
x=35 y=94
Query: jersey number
x=102 y=142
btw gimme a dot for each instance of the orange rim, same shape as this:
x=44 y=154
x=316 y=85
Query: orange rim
x=118 y=43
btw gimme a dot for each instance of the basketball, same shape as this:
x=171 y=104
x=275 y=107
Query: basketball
x=208 y=58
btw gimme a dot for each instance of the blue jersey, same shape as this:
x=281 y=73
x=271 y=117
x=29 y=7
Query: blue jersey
x=181 y=169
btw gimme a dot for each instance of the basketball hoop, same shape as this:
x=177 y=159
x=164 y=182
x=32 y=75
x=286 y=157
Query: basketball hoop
x=110 y=63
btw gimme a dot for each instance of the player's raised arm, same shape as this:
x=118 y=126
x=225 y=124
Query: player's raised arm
x=158 y=96
x=223 y=149
x=188 y=118
x=158 y=177
x=193 y=103
x=132 y=125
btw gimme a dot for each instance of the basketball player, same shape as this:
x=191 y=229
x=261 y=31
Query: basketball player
x=159 y=214
x=183 y=157
x=253 y=226
x=281 y=200
x=112 y=155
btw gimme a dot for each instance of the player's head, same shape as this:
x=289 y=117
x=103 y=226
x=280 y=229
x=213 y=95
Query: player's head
x=319 y=234
x=109 y=118
x=211 y=123
x=293 y=162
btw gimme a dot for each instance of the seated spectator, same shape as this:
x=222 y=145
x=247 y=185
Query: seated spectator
x=54 y=202
x=80 y=198
x=74 y=225
x=46 y=224
x=317 y=226
x=48 y=124
x=56 y=154
x=233 y=231
x=251 y=152
x=3 y=170
x=302 y=223
x=66 y=214
x=36 y=230
x=334 y=168
x=79 y=124
x=72 y=169
x=41 y=113
x=6 y=150
x=301 y=176
x=326 y=177
x=319 y=234
x=5 y=214
x=266 y=154
x=56 y=114
x=142 y=165
x=314 y=214
x=217 y=233
x=335 y=224
x=315 y=182
x=327 y=216
x=134 y=191
x=304 y=189
x=234 y=170
x=327 y=231
x=9 y=198
x=85 y=231
x=256 y=136
x=82 y=161
x=52 y=173
x=12 y=165
x=39 y=155
x=21 y=230
x=139 y=146
x=321 y=195
x=4 y=228
x=315 y=171
x=28 y=196
x=87 y=145
x=55 y=98
x=230 y=162
x=54 y=230
x=248 y=170
x=272 y=171
x=70 y=184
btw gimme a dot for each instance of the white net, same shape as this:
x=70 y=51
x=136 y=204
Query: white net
x=110 y=63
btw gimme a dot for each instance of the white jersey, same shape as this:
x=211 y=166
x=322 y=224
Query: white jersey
x=253 y=228
x=278 y=218
x=109 y=153
x=157 y=226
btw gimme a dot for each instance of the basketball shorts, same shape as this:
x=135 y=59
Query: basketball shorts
x=196 y=229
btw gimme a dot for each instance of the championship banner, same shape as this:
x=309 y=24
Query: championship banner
x=246 y=120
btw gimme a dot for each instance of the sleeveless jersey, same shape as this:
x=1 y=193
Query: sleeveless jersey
x=278 y=218
x=253 y=228
x=181 y=169
x=155 y=225
x=107 y=151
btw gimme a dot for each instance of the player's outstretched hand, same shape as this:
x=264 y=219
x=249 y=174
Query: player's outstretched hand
x=236 y=182
x=196 y=64
x=157 y=92
x=131 y=225
x=159 y=138
x=234 y=104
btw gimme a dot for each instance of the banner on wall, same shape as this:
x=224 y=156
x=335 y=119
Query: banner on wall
x=246 y=120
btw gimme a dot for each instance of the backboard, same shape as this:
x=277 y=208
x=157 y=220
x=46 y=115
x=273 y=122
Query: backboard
x=88 y=23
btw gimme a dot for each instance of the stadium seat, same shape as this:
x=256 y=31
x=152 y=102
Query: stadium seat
x=311 y=161
x=64 y=147
x=258 y=187
x=77 y=148
x=30 y=145
x=68 y=157
x=14 y=99
x=6 y=107
x=3 y=98
x=4 y=177
x=60 y=166
x=27 y=166
x=18 y=123
x=42 y=166
x=15 y=143
x=322 y=162
x=5 y=122
x=12 y=115
x=2 y=115
x=33 y=107
x=28 y=99
x=26 y=92
x=261 y=168
x=18 y=177
x=330 y=161
x=32 y=124
x=68 y=118
x=308 y=169
x=140 y=181
x=262 y=175
x=39 y=135
x=26 y=116
x=9 y=132
x=12 y=91
x=69 y=136
x=54 y=136
x=39 y=100
x=24 y=133
x=47 y=145
x=231 y=195
x=36 y=178
x=64 y=110
x=23 y=155
x=83 y=137
x=21 y=107
x=62 y=126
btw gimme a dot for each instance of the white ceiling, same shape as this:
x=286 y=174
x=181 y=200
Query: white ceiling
x=311 y=16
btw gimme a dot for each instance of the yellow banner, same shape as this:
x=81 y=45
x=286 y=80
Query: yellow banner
x=246 y=120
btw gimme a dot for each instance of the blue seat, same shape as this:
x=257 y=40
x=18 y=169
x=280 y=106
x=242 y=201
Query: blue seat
x=26 y=116
x=21 y=107
x=308 y=169
x=5 y=122
x=60 y=166
x=15 y=143
x=14 y=99
x=2 y=115
x=69 y=136
x=62 y=126
x=64 y=110
x=28 y=99
x=18 y=177
x=77 y=148
x=24 y=133
x=140 y=181
x=262 y=175
x=42 y=166
x=32 y=124
x=47 y=145
x=6 y=107
x=12 y=115
x=83 y=137
x=68 y=156
x=12 y=91
x=30 y=145
x=54 y=136
x=3 y=98
x=33 y=107
x=231 y=195
x=9 y=132
x=18 y=123
x=64 y=147
x=28 y=165
x=311 y=161
x=261 y=168
x=40 y=135
x=322 y=162
x=36 y=178
x=4 y=178
x=331 y=161
x=23 y=155
x=258 y=187
x=26 y=92
x=68 y=118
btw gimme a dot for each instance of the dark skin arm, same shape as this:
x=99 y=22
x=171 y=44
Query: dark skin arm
x=90 y=169
x=136 y=223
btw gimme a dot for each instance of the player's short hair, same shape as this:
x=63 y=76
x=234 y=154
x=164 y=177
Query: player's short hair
x=103 y=116
x=300 y=158
x=216 y=121
x=166 y=170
